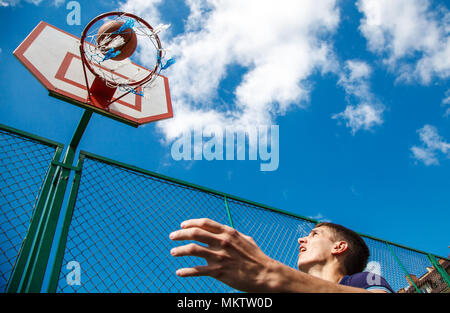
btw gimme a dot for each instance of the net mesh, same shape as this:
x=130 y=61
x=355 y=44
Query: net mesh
x=436 y=281
x=23 y=166
x=120 y=228
x=416 y=264
x=101 y=47
x=269 y=229
x=122 y=219
x=118 y=234
x=387 y=264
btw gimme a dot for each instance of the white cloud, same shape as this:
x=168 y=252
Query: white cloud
x=432 y=147
x=12 y=3
x=361 y=116
x=57 y=3
x=146 y=9
x=7 y=3
x=413 y=39
x=368 y=111
x=446 y=101
x=426 y=156
x=447 y=98
x=354 y=78
x=280 y=43
x=320 y=218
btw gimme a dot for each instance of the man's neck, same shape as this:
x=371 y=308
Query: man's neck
x=330 y=272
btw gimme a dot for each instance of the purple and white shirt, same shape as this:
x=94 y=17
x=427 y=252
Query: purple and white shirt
x=366 y=280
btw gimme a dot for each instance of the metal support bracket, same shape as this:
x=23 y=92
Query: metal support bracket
x=66 y=166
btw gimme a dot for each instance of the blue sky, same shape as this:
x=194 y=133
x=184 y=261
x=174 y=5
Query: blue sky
x=359 y=89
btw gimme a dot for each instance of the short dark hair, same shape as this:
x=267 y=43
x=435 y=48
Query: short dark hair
x=357 y=255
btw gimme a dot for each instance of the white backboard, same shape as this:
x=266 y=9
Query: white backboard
x=53 y=57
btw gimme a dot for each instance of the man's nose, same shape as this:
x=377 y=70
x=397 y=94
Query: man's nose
x=301 y=240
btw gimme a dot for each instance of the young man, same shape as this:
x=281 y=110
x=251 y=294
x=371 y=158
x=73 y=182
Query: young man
x=331 y=259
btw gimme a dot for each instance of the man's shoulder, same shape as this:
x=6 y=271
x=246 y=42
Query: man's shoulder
x=366 y=280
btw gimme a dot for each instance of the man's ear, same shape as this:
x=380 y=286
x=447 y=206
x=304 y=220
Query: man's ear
x=339 y=247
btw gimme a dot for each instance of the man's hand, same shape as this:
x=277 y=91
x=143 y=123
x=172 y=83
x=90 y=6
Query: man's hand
x=232 y=257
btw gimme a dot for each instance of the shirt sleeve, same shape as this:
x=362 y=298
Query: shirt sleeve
x=368 y=281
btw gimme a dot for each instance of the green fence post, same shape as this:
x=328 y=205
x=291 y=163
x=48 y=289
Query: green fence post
x=228 y=212
x=35 y=224
x=34 y=271
x=403 y=268
x=65 y=227
x=37 y=272
x=439 y=268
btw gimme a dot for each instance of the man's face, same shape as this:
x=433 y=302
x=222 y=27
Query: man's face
x=315 y=249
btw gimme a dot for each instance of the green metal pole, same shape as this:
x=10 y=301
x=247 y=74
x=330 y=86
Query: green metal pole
x=439 y=268
x=65 y=228
x=228 y=212
x=36 y=221
x=34 y=270
x=403 y=268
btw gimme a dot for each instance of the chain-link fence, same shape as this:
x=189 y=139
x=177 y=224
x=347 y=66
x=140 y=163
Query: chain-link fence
x=24 y=162
x=114 y=235
x=123 y=215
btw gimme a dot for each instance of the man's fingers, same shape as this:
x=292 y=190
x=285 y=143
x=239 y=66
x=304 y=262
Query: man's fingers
x=205 y=270
x=193 y=249
x=206 y=224
x=196 y=234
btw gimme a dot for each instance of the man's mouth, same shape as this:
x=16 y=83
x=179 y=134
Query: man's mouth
x=302 y=249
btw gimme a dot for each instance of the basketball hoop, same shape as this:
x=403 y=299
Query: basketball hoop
x=105 y=46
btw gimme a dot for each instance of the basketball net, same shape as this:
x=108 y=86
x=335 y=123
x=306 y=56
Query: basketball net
x=98 y=58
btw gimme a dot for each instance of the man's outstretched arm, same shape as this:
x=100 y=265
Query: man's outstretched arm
x=237 y=261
